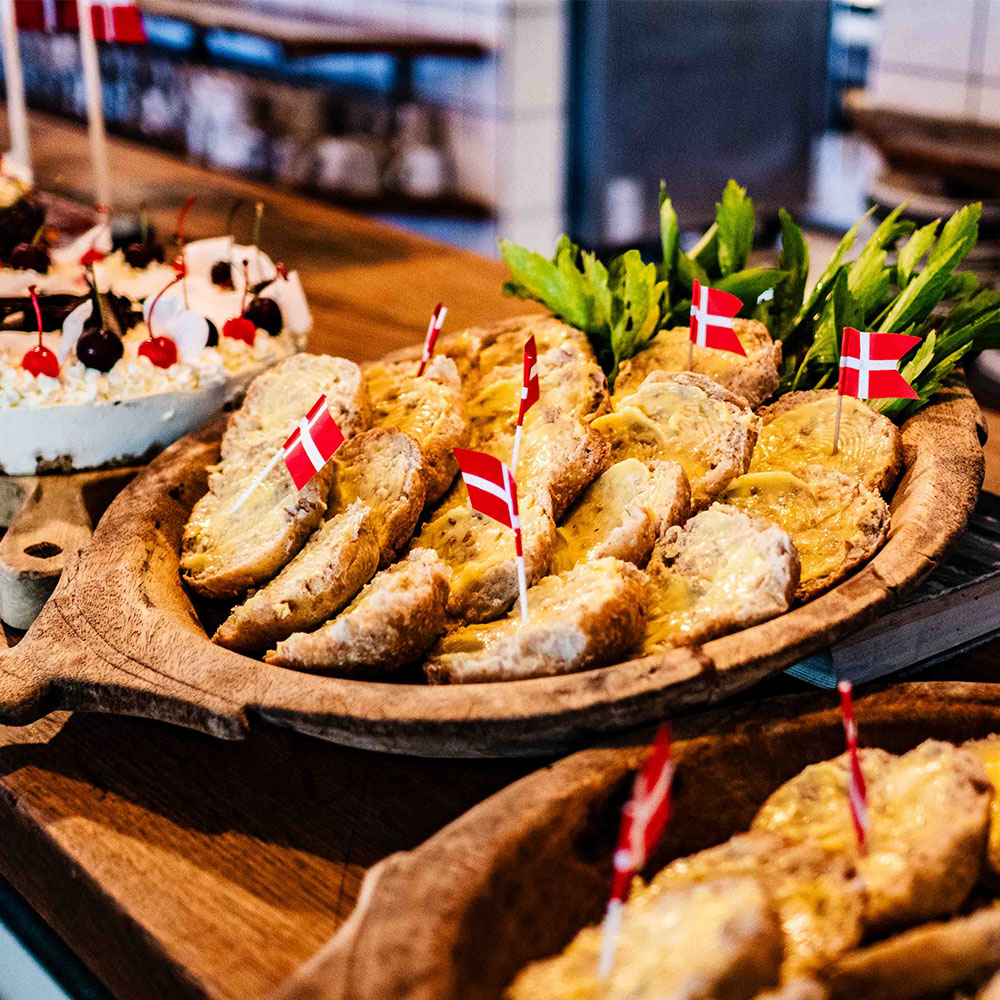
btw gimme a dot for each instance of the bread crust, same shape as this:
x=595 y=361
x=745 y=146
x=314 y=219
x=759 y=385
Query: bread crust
x=701 y=589
x=622 y=513
x=479 y=554
x=336 y=562
x=754 y=378
x=725 y=444
x=838 y=494
x=279 y=397
x=430 y=408
x=276 y=520
x=880 y=474
x=587 y=618
x=384 y=469
x=397 y=616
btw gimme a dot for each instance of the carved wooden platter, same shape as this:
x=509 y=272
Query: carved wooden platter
x=121 y=633
x=517 y=876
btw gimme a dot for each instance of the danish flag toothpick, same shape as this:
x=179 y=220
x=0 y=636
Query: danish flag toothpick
x=644 y=819
x=530 y=392
x=712 y=313
x=309 y=447
x=869 y=369
x=493 y=492
x=857 y=793
x=433 y=329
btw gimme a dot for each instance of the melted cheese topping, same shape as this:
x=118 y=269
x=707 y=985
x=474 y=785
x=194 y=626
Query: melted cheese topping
x=598 y=513
x=866 y=450
x=821 y=519
x=706 y=576
x=676 y=422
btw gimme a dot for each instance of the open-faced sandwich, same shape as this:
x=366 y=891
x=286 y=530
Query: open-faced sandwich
x=663 y=501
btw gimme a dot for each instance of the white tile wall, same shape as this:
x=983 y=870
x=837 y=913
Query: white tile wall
x=504 y=115
x=940 y=57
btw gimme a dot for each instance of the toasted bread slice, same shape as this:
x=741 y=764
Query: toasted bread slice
x=224 y=554
x=559 y=458
x=720 y=572
x=384 y=469
x=479 y=554
x=926 y=962
x=430 y=408
x=798 y=431
x=836 y=523
x=754 y=377
x=279 y=398
x=588 y=618
x=687 y=419
x=336 y=562
x=818 y=896
x=571 y=384
x=718 y=940
x=928 y=813
x=503 y=344
x=988 y=751
x=395 y=618
x=621 y=513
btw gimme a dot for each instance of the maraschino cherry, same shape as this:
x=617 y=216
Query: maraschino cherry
x=143 y=253
x=266 y=314
x=222 y=274
x=162 y=351
x=239 y=327
x=39 y=360
x=99 y=347
x=32 y=256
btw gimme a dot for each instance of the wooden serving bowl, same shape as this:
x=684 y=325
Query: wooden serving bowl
x=518 y=875
x=121 y=633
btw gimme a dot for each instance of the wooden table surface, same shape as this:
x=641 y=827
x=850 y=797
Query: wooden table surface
x=179 y=866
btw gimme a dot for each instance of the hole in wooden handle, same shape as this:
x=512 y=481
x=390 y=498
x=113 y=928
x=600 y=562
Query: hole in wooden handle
x=43 y=550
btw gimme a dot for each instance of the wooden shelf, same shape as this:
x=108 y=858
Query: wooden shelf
x=311 y=35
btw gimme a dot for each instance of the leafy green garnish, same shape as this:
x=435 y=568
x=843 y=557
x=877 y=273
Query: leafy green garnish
x=735 y=222
x=623 y=304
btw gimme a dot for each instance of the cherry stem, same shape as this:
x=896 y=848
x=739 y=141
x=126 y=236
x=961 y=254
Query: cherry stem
x=159 y=295
x=258 y=216
x=97 y=295
x=144 y=223
x=231 y=220
x=38 y=311
x=38 y=233
x=246 y=286
x=180 y=221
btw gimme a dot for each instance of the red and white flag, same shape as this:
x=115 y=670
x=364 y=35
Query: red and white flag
x=433 y=329
x=712 y=313
x=113 y=20
x=493 y=492
x=644 y=819
x=312 y=444
x=869 y=365
x=857 y=793
x=530 y=392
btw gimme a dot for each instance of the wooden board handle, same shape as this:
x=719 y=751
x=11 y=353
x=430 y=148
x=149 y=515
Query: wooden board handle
x=52 y=524
x=24 y=695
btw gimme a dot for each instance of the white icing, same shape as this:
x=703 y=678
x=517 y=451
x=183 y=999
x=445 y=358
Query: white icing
x=200 y=255
x=72 y=328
